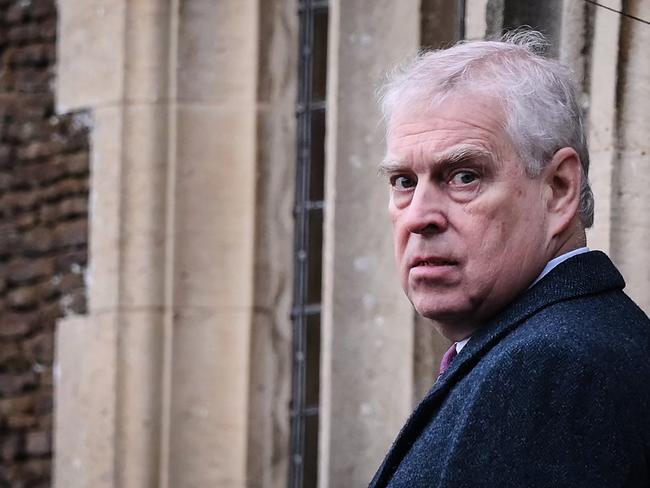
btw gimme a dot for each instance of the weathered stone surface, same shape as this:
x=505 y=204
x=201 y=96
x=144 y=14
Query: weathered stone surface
x=475 y=19
x=269 y=426
x=369 y=388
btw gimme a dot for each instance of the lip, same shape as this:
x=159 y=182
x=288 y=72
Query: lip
x=432 y=267
x=431 y=262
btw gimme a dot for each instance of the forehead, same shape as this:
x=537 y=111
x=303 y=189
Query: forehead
x=477 y=121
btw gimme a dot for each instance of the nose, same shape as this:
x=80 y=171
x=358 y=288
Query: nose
x=426 y=213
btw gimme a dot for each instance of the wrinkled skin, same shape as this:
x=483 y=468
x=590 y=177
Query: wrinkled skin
x=471 y=229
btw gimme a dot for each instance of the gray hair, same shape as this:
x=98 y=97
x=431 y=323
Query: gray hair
x=538 y=95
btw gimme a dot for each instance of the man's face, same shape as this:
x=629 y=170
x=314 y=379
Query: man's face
x=469 y=224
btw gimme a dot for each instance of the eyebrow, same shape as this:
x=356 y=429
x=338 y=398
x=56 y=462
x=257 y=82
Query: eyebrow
x=455 y=155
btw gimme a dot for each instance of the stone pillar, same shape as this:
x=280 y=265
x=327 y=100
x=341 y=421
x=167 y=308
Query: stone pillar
x=270 y=355
x=602 y=135
x=440 y=23
x=152 y=389
x=367 y=334
x=213 y=227
x=113 y=61
x=576 y=43
x=631 y=205
x=475 y=19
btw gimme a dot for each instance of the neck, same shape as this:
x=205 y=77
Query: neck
x=574 y=238
x=454 y=333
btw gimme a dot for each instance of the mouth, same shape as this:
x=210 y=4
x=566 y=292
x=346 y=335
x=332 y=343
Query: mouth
x=433 y=269
x=432 y=262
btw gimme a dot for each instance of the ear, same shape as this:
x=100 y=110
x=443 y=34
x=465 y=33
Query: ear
x=562 y=178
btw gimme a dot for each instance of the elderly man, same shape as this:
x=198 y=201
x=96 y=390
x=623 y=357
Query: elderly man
x=548 y=381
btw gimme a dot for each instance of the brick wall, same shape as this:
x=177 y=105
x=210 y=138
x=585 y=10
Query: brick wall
x=43 y=235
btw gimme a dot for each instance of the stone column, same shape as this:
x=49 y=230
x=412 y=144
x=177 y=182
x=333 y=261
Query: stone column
x=270 y=355
x=367 y=334
x=440 y=23
x=603 y=103
x=113 y=60
x=475 y=19
x=575 y=48
x=631 y=203
x=153 y=385
x=211 y=288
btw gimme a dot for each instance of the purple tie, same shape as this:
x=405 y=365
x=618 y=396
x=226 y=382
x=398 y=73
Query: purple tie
x=447 y=359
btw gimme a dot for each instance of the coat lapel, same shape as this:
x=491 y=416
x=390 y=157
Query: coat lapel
x=584 y=274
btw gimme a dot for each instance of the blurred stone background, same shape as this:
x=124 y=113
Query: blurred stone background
x=196 y=277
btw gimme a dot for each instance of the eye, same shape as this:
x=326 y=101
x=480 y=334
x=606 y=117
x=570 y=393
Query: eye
x=463 y=178
x=402 y=182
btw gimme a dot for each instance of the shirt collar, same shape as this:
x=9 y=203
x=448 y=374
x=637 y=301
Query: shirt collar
x=556 y=261
x=461 y=344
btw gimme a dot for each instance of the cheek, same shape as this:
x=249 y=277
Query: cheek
x=400 y=237
x=399 y=200
x=493 y=225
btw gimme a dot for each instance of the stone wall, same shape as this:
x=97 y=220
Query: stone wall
x=43 y=235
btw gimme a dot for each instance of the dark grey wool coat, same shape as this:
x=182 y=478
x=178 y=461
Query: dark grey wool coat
x=552 y=392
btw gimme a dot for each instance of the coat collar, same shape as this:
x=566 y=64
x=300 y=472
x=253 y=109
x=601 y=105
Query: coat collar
x=581 y=275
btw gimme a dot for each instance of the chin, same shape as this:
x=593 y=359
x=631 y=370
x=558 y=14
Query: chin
x=443 y=311
x=454 y=324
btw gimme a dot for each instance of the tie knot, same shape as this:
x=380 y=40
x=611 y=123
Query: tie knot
x=447 y=359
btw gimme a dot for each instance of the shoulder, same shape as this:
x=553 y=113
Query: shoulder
x=592 y=347
x=606 y=329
